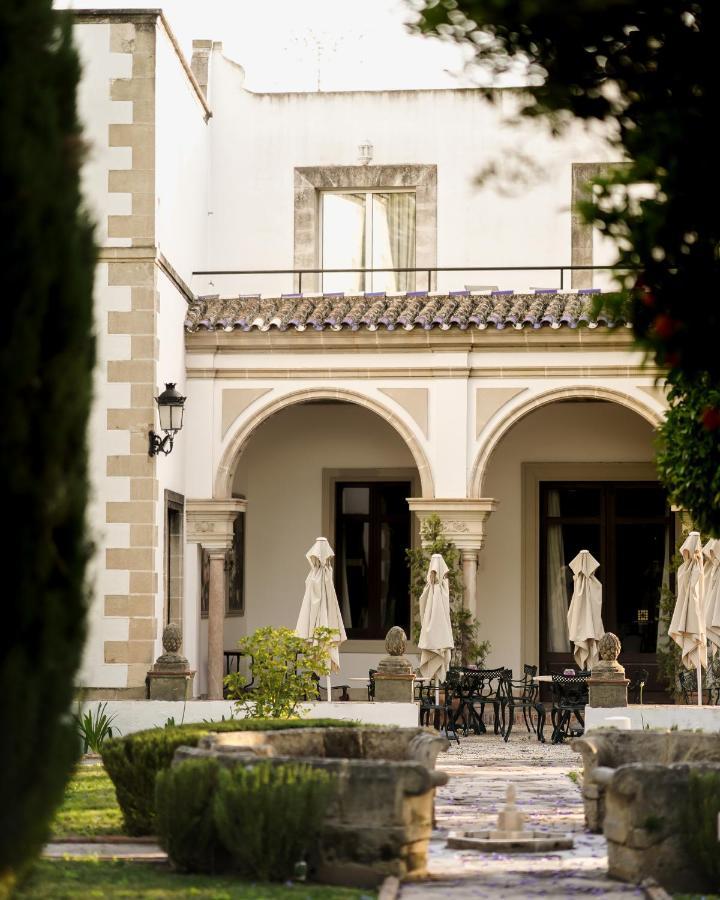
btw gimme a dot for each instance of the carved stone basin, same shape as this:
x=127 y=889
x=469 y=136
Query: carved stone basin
x=380 y=819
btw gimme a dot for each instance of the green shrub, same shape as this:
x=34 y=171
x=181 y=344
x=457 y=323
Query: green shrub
x=184 y=802
x=701 y=823
x=268 y=817
x=94 y=728
x=285 y=667
x=259 y=821
x=133 y=761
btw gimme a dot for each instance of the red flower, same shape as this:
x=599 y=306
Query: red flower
x=665 y=326
x=710 y=418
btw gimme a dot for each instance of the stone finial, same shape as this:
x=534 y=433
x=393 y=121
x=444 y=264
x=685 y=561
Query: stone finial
x=172 y=638
x=395 y=641
x=171 y=641
x=609 y=647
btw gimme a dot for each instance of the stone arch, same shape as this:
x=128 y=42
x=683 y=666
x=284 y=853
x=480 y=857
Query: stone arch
x=497 y=432
x=228 y=463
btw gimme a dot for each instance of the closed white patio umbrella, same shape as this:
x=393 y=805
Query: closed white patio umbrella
x=320 y=608
x=711 y=552
x=687 y=626
x=436 y=638
x=585 y=626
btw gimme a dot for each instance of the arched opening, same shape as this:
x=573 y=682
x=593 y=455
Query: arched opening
x=575 y=473
x=323 y=466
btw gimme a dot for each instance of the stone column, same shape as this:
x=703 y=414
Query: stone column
x=210 y=524
x=463 y=522
x=216 y=622
x=469 y=571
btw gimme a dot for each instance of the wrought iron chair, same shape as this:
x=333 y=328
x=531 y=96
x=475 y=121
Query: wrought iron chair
x=371 y=684
x=232 y=660
x=638 y=680
x=478 y=688
x=688 y=689
x=570 y=697
x=438 y=714
x=522 y=693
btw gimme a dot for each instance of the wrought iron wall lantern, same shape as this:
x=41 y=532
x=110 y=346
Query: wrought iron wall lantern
x=170 y=407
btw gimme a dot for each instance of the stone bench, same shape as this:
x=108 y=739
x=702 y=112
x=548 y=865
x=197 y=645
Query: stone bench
x=381 y=816
x=605 y=750
x=645 y=811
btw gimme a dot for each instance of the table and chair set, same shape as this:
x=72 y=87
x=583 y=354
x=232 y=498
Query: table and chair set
x=461 y=701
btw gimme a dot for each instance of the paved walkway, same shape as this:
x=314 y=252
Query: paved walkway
x=480 y=770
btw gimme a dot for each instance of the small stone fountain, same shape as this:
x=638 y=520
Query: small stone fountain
x=510 y=835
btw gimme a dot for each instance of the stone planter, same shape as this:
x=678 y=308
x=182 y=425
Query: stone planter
x=380 y=819
x=645 y=825
x=605 y=750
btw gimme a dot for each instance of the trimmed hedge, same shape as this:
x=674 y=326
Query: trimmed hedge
x=133 y=761
x=258 y=821
x=184 y=801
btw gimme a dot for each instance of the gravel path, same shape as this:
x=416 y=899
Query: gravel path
x=480 y=770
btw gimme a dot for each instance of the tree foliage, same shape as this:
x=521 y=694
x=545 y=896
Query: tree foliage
x=689 y=451
x=647 y=69
x=466 y=629
x=46 y=361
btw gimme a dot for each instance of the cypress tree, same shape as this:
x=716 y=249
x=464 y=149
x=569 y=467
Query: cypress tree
x=46 y=362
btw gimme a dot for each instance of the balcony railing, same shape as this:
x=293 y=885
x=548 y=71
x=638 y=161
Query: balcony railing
x=432 y=278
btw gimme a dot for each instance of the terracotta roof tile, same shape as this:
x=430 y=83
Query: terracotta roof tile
x=418 y=309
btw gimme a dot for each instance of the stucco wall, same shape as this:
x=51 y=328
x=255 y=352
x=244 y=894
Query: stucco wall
x=258 y=140
x=571 y=432
x=280 y=473
x=181 y=142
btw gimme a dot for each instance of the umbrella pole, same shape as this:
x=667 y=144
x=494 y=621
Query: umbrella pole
x=328 y=687
x=699 y=684
x=437 y=692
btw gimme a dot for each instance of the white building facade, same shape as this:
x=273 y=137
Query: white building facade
x=463 y=375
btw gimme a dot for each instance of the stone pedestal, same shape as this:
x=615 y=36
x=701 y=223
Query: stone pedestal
x=607 y=685
x=394 y=688
x=170 y=678
x=170 y=685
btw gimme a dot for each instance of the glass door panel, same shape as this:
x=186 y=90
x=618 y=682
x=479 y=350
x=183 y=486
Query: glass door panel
x=372 y=579
x=343 y=240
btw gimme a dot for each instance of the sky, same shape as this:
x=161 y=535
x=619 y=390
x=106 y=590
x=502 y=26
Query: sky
x=303 y=45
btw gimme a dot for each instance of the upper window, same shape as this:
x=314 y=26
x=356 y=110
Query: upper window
x=368 y=230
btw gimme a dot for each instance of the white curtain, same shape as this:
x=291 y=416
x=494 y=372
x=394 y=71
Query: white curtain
x=557 y=598
x=394 y=239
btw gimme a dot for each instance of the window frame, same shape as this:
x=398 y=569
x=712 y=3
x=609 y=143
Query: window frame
x=375 y=629
x=369 y=229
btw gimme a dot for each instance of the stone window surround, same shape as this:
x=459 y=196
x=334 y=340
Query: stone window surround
x=311 y=180
x=330 y=477
x=582 y=234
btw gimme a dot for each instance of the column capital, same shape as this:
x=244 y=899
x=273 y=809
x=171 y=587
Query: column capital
x=210 y=522
x=463 y=520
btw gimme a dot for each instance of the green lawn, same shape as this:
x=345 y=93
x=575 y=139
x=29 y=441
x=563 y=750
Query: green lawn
x=68 y=880
x=89 y=807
